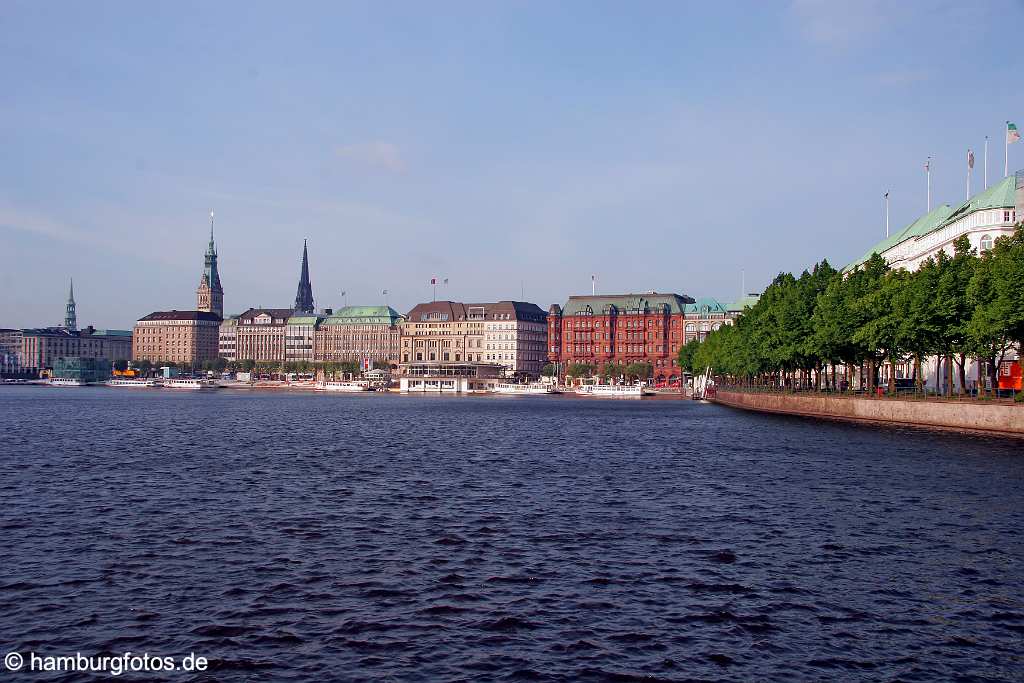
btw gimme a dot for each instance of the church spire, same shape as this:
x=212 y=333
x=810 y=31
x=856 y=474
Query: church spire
x=70 y=318
x=304 y=295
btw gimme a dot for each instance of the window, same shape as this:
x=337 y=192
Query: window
x=986 y=242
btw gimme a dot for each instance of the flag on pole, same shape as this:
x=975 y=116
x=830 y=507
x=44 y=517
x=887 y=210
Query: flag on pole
x=1012 y=134
x=433 y=280
x=446 y=280
x=928 y=165
x=385 y=292
x=970 y=158
x=343 y=292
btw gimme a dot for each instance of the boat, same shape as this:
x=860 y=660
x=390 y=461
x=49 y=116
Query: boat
x=66 y=382
x=522 y=389
x=342 y=386
x=614 y=390
x=132 y=383
x=189 y=383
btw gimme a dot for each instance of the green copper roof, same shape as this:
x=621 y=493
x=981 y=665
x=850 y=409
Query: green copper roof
x=1002 y=195
x=921 y=226
x=364 y=315
x=303 y=320
x=706 y=304
x=626 y=303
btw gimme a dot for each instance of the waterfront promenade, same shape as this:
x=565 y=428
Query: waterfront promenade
x=991 y=416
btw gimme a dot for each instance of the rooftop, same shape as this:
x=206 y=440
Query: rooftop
x=181 y=315
x=626 y=303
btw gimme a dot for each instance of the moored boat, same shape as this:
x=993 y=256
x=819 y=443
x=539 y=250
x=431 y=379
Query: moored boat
x=347 y=386
x=614 y=390
x=129 y=382
x=524 y=389
x=66 y=382
x=189 y=383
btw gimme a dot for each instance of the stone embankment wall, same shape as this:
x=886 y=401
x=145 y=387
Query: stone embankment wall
x=962 y=415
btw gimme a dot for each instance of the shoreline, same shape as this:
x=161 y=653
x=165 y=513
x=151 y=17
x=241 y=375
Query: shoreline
x=995 y=419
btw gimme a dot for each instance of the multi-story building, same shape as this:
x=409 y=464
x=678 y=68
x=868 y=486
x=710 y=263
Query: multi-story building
x=982 y=218
x=356 y=332
x=442 y=331
x=260 y=334
x=10 y=351
x=228 y=336
x=299 y=337
x=623 y=328
x=177 y=336
x=509 y=334
x=41 y=347
x=185 y=336
x=515 y=336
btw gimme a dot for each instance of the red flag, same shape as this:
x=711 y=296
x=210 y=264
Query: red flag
x=970 y=158
x=433 y=280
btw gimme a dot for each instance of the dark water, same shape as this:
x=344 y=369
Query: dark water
x=351 y=538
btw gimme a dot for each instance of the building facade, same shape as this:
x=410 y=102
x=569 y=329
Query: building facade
x=10 y=351
x=356 y=332
x=260 y=334
x=41 y=347
x=228 y=336
x=983 y=218
x=515 y=337
x=177 y=336
x=300 y=337
x=623 y=328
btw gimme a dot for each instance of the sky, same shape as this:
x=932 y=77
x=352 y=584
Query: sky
x=515 y=148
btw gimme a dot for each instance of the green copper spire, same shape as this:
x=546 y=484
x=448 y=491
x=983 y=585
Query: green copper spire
x=70 y=318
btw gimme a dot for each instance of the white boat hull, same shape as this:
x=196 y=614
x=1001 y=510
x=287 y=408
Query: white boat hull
x=191 y=384
x=611 y=391
x=523 y=389
x=63 y=382
x=132 y=384
x=344 y=387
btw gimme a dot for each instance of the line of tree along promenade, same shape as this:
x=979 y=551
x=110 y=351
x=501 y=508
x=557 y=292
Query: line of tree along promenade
x=955 y=307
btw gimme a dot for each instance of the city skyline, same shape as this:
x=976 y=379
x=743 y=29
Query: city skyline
x=514 y=151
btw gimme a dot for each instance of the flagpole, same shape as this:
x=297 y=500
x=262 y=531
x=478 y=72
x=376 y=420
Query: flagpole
x=1006 y=151
x=928 y=171
x=986 y=162
x=969 y=163
x=886 y=214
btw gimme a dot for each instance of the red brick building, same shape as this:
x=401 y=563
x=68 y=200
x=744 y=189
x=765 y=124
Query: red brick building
x=623 y=328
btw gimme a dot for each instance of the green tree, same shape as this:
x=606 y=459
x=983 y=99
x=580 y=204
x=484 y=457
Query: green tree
x=549 y=370
x=686 y=355
x=121 y=365
x=578 y=370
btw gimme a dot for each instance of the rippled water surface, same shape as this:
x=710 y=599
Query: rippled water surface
x=307 y=537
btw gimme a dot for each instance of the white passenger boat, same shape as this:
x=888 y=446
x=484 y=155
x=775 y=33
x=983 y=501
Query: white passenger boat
x=189 y=383
x=66 y=382
x=521 y=389
x=342 y=386
x=614 y=390
x=132 y=383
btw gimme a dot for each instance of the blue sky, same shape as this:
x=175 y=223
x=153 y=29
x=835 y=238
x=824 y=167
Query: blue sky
x=510 y=147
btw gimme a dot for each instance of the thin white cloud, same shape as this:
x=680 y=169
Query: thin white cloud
x=379 y=154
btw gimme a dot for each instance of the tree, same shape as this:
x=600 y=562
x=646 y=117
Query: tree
x=549 y=370
x=580 y=370
x=247 y=365
x=987 y=333
x=639 y=371
x=687 y=352
x=121 y=364
x=880 y=331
